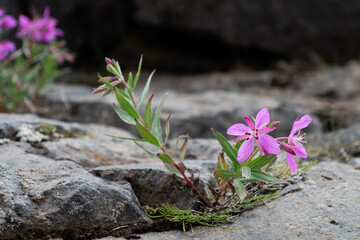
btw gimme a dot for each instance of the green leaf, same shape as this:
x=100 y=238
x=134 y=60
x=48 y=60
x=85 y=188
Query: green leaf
x=165 y=158
x=124 y=116
x=146 y=134
x=246 y=172
x=147 y=115
x=126 y=138
x=156 y=125
x=228 y=149
x=138 y=73
x=157 y=131
x=126 y=105
x=167 y=129
x=130 y=81
x=146 y=88
x=146 y=150
x=223 y=173
x=107 y=83
x=260 y=161
x=240 y=188
x=260 y=176
x=111 y=69
x=172 y=168
x=117 y=66
x=183 y=150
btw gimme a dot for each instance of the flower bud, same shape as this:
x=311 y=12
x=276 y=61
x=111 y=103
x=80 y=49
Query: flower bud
x=275 y=124
x=109 y=61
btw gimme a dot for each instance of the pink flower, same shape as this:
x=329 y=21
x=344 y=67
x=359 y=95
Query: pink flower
x=293 y=147
x=8 y=22
x=41 y=30
x=6 y=47
x=258 y=133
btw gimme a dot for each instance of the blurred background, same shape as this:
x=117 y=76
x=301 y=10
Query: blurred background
x=197 y=36
x=296 y=57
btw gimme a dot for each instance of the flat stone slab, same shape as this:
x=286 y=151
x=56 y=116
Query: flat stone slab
x=326 y=207
x=192 y=113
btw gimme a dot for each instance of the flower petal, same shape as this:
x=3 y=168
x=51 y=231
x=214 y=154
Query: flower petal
x=266 y=130
x=269 y=144
x=300 y=151
x=245 y=150
x=291 y=161
x=249 y=123
x=262 y=118
x=258 y=144
x=241 y=137
x=300 y=124
x=238 y=129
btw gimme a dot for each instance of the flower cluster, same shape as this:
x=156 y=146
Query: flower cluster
x=266 y=144
x=41 y=30
x=35 y=64
x=7 y=22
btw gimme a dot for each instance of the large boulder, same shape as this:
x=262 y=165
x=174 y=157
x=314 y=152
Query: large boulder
x=43 y=197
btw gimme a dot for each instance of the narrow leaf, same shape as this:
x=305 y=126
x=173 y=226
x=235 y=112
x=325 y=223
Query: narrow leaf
x=260 y=176
x=167 y=129
x=172 y=168
x=260 y=161
x=146 y=150
x=138 y=73
x=228 y=149
x=183 y=150
x=124 y=116
x=246 y=172
x=146 y=134
x=107 y=83
x=165 y=158
x=126 y=138
x=240 y=188
x=147 y=115
x=156 y=130
x=130 y=81
x=126 y=105
x=223 y=173
x=146 y=88
x=117 y=67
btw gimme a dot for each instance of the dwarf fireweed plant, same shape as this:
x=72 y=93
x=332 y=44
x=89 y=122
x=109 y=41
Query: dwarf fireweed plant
x=29 y=69
x=247 y=160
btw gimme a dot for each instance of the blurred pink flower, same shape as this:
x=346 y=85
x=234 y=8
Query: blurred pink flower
x=41 y=30
x=6 y=47
x=8 y=22
x=258 y=133
x=293 y=147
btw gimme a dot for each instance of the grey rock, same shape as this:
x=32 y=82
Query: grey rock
x=355 y=162
x=327 y=207
x=85 y=144
x=194 y=114
x=41 y=197
x=154 y=185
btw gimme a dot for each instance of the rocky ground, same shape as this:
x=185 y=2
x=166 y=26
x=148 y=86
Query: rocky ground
x=62 y=179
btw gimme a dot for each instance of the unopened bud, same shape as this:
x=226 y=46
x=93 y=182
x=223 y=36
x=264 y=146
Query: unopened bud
x=275 y=124
x=109 y=61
